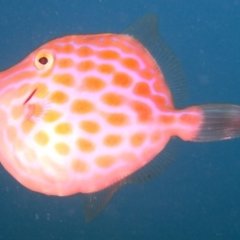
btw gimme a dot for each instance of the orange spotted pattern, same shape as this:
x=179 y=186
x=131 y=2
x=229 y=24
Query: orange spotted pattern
x=86 y=111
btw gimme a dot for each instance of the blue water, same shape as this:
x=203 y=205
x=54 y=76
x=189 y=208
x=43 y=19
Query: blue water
x=198 y=196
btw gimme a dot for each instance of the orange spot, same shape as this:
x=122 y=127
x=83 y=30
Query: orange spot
x=63 y=128
x=82 y=106
x=27 y=125
x=93 y=83
x=108 y=55
x=51 y=116
x=156 y=136
x=85 y=145
x=105 y=68
x=11 y=133
x=84 y=51
x=167 y=119
x=117 y=119
x=62 y=148
x=130 y=63
x=41 y=138
x=129 y=157
x=90 y=126
x=64 y=79
x=159 y=101
x=112 y=140
x=16 y=112
x=146 y=74
x=65 y=63
x=85 y=66
x=127 y=49
x=22 y=90
x=142 y=89
x=80 y=166
x=122 y=80
x=42 y=90
x=158 y=87
x=46 y=74
x=137 y=139
x=66 y=48
x=105 y=161
x=112 y=99
x=143 y=111
x=58 y=97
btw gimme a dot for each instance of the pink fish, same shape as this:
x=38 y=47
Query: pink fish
x=88 y=113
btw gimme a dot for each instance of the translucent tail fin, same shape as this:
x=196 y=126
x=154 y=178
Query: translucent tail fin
x=220 y=121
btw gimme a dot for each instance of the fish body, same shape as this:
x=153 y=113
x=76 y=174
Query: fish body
x=84 y=112
x=98 y=112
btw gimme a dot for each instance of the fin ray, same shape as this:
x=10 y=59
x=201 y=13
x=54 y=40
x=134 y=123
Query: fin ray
x=156 y=166
x=221 y=121
x=145 y=30
x=95 y=202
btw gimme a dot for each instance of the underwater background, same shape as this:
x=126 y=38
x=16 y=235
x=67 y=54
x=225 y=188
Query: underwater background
x=198 y=196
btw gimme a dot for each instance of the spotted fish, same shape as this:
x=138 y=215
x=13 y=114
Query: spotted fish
x=88 y=113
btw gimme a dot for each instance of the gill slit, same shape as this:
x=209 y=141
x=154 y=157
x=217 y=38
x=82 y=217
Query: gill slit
x=30 y=96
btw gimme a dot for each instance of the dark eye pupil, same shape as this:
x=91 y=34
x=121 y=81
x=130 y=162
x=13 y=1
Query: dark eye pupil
x=43 y=60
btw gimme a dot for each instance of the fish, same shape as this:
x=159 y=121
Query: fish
x=87 y=114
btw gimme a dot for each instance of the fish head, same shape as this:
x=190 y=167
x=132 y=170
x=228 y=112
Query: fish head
x=35 y=113
x=28 y=88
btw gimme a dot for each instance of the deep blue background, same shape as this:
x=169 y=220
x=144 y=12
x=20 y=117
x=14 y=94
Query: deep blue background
x=198 y=196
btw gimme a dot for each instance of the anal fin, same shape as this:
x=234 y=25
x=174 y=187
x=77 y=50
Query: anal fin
x=95 y=202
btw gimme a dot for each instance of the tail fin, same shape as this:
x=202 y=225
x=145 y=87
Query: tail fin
x=220 y=121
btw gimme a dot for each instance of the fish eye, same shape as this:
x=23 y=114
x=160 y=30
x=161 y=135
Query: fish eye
x=44 y=60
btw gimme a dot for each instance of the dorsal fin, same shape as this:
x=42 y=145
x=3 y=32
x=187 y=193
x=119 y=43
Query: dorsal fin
x=145 y=30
